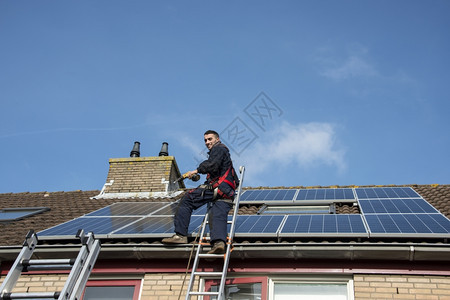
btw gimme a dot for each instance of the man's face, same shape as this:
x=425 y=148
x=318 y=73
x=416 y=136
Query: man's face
x=210 y=140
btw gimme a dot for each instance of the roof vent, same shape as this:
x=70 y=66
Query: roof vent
x=136 y=150
x=164 y=150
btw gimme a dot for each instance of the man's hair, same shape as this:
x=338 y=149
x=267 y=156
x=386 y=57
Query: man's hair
x=212 y=132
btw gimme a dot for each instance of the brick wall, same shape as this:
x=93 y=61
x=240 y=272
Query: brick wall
x=165 y=286
x=401 y=287
x=39 y=283
x=161 y=286
x=141 y=174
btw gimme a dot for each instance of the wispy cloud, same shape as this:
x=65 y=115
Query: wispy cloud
x=295 y=146
x=353 y=66
x=353 y=63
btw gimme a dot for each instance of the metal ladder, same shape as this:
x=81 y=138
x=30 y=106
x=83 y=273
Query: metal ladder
x=80 y=269
x=226 y=257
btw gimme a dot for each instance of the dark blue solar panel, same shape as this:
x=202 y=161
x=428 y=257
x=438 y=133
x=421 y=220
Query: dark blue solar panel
x=155 y=225
x=267 y=195
x=325 y=194
x=393 y=206
x=323 y=225
x=408 y=224
x=386 y=193
x=256 y=225
x=98 y=225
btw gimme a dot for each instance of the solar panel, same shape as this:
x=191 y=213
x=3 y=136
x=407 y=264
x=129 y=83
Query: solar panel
x=98 y=225
x=155 y=226
x=394 y=206
x=126 y=218
x=386 y=193
x=265 y=196
x=408 y=225
x=256 y=225
x=323 y=225
x=325 y=194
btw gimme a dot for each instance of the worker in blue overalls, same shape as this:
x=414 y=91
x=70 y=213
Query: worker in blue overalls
x=221 y=182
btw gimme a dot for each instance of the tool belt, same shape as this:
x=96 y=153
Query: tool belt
x=209 y=187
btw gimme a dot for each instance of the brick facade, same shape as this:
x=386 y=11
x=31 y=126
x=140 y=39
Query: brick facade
x=401 y=287
x=167 y=286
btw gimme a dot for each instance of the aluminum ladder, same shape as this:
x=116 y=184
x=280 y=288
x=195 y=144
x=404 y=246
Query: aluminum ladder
x=226 y=257
x=80 y=269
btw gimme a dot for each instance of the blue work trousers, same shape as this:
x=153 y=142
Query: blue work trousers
x=218 y=213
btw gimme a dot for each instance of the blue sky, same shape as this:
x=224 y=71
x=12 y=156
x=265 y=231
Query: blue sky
x=304 y=92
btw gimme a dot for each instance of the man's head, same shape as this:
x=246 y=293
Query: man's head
x=211 y=138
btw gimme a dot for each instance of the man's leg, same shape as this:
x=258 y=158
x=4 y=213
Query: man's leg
x=190 y=201
x=218 y=221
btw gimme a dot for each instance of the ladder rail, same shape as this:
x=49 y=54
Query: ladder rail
x=80 y=262
x=86 y=271
x=16 y=270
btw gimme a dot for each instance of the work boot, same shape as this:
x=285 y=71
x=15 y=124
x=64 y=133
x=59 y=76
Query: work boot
x=175 y=239
x=218 y=248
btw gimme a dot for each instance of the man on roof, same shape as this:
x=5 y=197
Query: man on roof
x=218 y=189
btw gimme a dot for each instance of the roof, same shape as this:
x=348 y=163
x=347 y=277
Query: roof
x=65 y=206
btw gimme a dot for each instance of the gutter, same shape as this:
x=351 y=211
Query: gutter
x=351 y=252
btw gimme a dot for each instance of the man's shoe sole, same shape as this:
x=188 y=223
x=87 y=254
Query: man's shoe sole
x=173 y=242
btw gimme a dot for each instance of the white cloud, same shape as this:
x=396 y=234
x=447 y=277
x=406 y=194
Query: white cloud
x=294 y=146
x=352 y=62
x=353 y=66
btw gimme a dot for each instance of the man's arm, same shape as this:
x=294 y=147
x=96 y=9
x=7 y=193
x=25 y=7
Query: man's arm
x=214 y=161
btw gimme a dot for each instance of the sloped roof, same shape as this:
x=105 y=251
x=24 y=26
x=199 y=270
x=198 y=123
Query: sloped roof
x=65 y=206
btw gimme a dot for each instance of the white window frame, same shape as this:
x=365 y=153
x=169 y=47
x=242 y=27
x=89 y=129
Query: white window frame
x=313 y=279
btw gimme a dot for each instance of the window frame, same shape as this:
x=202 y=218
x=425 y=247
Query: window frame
x=137 y=283
x=348 y=280
x=31 y=212
x=209 y=282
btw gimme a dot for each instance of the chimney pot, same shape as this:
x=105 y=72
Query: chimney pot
x=136 y=150
x=164 y=149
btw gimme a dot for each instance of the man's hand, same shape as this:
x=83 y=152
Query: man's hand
x=191 y=173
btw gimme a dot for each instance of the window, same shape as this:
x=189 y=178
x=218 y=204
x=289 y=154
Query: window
x=252 y=288
x=11 y=214
x=284 y=288
x=112 y=290
x=339 y=289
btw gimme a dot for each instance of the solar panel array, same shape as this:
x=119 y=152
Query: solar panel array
x=400 y=212
x=385 y=212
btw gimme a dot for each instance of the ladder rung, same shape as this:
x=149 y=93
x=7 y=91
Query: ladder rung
x=211 y=255
x=204 y=293
x=40 y=262
x=229 y=222
x=208 y=273
x=47 y=295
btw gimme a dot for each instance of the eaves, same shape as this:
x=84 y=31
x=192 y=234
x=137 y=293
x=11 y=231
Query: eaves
x=246 y=251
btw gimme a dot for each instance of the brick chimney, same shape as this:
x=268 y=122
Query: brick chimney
x=142 y=177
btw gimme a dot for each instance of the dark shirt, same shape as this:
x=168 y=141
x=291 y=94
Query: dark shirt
x=218 y=162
